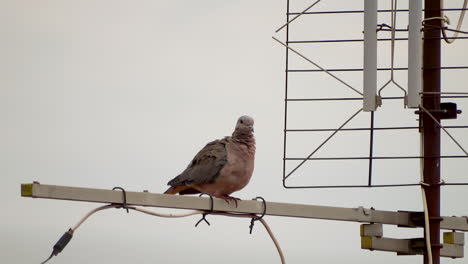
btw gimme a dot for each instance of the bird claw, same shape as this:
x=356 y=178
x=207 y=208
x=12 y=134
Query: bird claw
x=228 y=198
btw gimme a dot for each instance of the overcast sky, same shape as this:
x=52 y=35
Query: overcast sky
x=124 y=93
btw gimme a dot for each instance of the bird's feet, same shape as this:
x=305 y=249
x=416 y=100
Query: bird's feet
x=228 y=198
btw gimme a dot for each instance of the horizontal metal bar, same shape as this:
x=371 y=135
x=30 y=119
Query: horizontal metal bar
x=455 y=184
x=378 y=158
x=446 y=28
x=364 y=186
x=337 y=40
x=454 y=30
x=357 y=40
x=334 y=99
x=371 y=230
x=360 y=98
x=455 y=238
x=348 y=129
x=350 y=186
x=343 y=12
x=359 y=214
x=443 y=93
x=454 y=96
x=323 y=99
x=362 y=11
x=386 y=244
x=360 y=129
x=379 y=69
x=203 y=203
x=346 y=70
x=408 y=246
x=453 y=221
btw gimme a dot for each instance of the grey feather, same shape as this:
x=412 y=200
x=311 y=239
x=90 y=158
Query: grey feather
x=205 y=166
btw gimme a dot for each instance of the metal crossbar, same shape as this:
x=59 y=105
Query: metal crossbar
x=358 y=214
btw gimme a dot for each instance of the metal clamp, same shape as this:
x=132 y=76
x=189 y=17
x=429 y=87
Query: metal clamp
x=124 y=203
x=206 y=212
x=252 y=222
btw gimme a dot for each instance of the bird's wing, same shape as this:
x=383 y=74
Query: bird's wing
x=205 y=166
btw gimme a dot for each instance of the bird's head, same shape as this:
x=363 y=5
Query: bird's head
x=245 y=124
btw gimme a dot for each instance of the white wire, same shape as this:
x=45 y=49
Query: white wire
x=142 y=210
x=139 y=209
x=459 y=24
x=264 y=223
x=267 y=228
x=424 y=199
x=91 y=213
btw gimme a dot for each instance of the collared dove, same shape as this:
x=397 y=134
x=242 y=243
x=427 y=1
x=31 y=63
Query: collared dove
x=222 y=167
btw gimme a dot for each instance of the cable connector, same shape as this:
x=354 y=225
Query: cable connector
x=61 y=244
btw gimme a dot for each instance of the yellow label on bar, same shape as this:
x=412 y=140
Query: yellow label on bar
x=366 y=242
x=26 y=189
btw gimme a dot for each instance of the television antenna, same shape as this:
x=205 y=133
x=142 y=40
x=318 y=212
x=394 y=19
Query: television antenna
x=423 y=92
x=425 y=62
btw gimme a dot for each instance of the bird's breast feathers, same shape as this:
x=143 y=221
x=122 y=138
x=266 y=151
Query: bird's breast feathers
x=239 y=167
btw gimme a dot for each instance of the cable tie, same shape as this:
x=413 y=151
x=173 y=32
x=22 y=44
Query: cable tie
x=424 y=184
x=206 y=212
x=252 y=221
x=124 y=204
x=381 y=26
x=444 y=19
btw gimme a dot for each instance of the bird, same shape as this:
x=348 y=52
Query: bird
x=222 y=167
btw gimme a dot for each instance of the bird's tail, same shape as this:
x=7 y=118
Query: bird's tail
x=175 y=189
x=171 y=190
x=183 y=189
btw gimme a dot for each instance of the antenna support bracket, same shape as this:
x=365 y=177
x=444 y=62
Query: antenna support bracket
x=446 y=111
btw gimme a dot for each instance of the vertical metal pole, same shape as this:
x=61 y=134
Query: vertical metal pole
x=370 y=55
x=430 y=130
x=371 y=148
x=414 y=53
x=285 y=136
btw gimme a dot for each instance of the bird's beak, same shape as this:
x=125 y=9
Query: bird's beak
x=251 y=128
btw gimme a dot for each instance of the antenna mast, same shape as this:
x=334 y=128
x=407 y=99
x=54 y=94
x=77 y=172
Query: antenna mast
x=430 y=131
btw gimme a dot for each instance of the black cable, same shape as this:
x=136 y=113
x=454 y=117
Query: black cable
x=67 y=236
x=61 y=244
x=51 y=255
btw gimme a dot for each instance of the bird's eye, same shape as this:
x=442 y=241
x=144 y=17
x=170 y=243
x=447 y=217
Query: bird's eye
x=242 y=121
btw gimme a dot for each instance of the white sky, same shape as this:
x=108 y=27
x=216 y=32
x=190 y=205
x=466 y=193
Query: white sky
x=124 y=93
